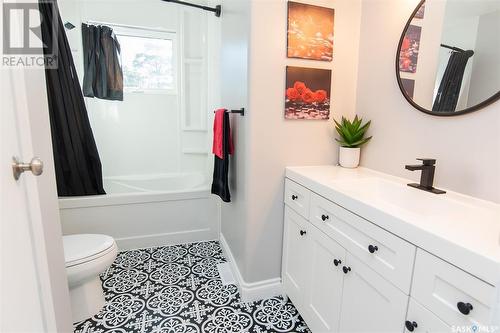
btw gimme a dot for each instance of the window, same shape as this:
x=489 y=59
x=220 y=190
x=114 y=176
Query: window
x=148 y=60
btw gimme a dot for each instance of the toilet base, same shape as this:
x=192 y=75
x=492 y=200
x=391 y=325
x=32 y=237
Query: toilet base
x=87 y=299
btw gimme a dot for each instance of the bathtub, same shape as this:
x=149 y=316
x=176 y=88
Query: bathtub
x=170 y=183
x=146 y=210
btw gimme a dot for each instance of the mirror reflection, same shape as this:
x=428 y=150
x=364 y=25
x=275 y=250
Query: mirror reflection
x=449 y=55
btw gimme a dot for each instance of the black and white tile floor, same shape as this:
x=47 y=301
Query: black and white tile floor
x=177 y=289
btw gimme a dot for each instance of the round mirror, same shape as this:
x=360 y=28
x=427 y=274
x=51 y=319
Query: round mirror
x=448 y=59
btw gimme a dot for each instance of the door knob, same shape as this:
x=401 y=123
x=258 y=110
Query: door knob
x=337 y=262
x=18 y=167
x=303 y=232
x=346 y=269
x=324 y=217
x=294 y=197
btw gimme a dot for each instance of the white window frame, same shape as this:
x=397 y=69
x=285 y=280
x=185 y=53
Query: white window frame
x=143 y=32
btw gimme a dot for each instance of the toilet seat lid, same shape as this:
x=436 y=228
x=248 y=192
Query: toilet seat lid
x=83 y=247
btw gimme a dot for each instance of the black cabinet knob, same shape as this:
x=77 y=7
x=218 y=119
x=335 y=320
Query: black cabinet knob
x=294 y=197
x=410 y=325
x=337 y=262
x=372 y=248
x=303 y=232
x=346 y=269
x=464 y=308
x=325 y=217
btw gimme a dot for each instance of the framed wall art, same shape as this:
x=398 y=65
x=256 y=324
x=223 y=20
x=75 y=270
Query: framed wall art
x=310 y=32
x=307 y=94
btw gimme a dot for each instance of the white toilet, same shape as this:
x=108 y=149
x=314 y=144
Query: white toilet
x=87 y=255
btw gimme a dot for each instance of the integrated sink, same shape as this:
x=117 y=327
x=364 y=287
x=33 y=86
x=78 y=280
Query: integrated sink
x=457 y=222
x=399 y=196
x=449 y=213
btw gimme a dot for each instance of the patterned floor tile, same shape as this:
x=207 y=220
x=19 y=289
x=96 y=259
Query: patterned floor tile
x=177 y=289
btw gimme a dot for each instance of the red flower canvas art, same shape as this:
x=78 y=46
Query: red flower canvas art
x=307 y=94
x=310 y=32
x=408 y=54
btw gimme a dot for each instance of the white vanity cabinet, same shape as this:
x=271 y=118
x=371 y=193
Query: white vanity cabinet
x=333 y=289
x=345 y=273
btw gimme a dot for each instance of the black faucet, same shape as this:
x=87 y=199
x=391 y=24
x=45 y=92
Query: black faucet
x=427 y=177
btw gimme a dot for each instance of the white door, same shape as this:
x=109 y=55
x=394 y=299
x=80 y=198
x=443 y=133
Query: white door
x=295 y=254
x=369 y=302
x=323 y=295
x=33 y=285
x=421 y=320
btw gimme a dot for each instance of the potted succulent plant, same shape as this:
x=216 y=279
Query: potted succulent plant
x=352 y=137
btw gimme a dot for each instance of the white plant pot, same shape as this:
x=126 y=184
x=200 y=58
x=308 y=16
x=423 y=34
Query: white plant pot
x=349 y=157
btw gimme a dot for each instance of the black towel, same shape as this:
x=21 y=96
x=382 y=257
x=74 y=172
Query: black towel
x=220 y=185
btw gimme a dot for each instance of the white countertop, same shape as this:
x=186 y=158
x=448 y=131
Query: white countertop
x=462 y=230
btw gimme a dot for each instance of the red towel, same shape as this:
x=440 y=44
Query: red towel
x=217 y=148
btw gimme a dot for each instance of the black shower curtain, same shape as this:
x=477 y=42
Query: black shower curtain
x=103 y=75
x=451 y=83
x=77 y=163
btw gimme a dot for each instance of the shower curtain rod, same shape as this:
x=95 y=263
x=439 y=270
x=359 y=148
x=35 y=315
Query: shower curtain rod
x=216 y=10
x=128 y=26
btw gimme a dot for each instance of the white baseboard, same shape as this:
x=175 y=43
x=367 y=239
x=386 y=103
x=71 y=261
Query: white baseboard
x=255 y=290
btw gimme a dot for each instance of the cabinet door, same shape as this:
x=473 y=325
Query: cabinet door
x=421 y=320
x=369 y=302
x=295 y=255
x=323 y=294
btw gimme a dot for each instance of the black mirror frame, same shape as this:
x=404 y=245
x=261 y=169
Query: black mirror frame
x=476 y=107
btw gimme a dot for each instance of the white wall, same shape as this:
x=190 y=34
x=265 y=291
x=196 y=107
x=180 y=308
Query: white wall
x=467 y=147
x=235 y=38
x=485 y=78
x=265 y=142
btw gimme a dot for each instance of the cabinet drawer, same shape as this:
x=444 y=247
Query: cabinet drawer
x=441 y=286
x=423 y=321
x=387 y=254
x=297 y=197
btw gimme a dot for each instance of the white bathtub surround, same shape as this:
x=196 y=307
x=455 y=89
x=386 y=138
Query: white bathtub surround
x=412 y=256
x=250 y=291
x=86 y=256
x=349 y=157
x=146 y=211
